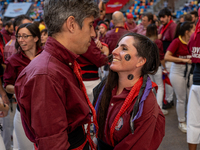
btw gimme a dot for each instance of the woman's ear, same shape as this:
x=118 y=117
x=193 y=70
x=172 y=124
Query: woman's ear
x=36 y=39
x=141 y=62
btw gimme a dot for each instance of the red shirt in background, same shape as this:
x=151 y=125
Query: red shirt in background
x=194 y=48
x=6 y=34
x=112 y=37
x=52 y=105
x=131 y=25
x=139 y=30
x=10 y=48
x=179 y=49
x=160 y=48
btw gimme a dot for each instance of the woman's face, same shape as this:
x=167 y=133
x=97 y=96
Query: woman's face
x=102 y=30
x=125 y=56
x=191 y=31
x=44 y=37
x=26 y=39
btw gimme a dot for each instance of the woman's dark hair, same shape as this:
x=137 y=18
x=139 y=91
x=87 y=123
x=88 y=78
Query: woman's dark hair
x=182 y=27
x=146 y=49
x=44 y=31
x=151 y=30
x=35 y=32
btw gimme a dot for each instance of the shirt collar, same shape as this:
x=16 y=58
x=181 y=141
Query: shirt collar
x=55 y=48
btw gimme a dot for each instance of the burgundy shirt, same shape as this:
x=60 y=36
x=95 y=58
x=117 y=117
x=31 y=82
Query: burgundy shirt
x=91 y=61
x=160 y=48
x=146 y=135
x=14 y=65
x=179 y=49
x=139 y=29
x=10 y=48
x=51 y=102
x=194 y=48
x=131 y=25
x=168 y=35
x=113 y=36
x=6 y=34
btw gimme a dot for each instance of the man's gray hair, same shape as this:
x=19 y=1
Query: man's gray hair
x=56 y=12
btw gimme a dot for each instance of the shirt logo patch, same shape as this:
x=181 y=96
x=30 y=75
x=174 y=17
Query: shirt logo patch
x=116 y=30
x=119 y=124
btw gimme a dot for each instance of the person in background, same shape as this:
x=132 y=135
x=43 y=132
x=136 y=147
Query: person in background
x=193 y=107
x=42 y=25
x=51 y=85
x=130 y=23
x=194 y=15
x=129 y=119
x=44 y=36
x=103 y=28
x=28 y=46
x=147 y=19
x=178 y=53
x=113 y=36
x=10 y=46
x=1 y=24
x=152 y=34
x=8 y=30
x=166 y=35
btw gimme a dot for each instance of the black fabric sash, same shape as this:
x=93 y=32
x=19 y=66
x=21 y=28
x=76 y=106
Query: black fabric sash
x=103 y=146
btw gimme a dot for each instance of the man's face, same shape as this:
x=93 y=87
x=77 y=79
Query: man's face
x=1 y=23
x=83 y=36
x=164 y=20
x=130 y=20
x=145 y=21
x=194 y=19
x=10 y=29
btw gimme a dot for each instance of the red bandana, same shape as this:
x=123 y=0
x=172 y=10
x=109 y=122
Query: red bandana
x=165 y=27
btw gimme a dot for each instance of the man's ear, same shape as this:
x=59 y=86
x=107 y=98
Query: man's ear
x=70 y=24
x=141 y=62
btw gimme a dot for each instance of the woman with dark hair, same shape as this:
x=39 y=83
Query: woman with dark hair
x=44 y=36
x=178 y=53
x=152 y=34
x=128 y=114
x=28 y=46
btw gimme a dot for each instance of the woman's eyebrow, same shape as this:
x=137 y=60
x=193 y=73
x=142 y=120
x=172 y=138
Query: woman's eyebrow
x=124 y=45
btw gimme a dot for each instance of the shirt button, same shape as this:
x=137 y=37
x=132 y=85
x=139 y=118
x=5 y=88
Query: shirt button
x=111 y=104
x=70 y=64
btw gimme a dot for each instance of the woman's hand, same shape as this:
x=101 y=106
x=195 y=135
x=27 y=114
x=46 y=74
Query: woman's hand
x=98 y=44
x=189 y=61
x=3 y=109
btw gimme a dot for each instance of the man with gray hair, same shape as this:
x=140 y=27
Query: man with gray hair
x=113 y=36
x=53 y=101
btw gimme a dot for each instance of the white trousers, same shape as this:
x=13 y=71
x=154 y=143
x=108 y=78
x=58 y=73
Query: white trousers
x=23 y=142
x=168 y=89
x=193 y=117
x=157 y=78
x=179 y=83
x=90 y=85
x=2 y=146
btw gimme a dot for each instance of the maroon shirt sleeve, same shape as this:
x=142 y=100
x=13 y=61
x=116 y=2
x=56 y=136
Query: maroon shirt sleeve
x=10 y=75
x=173 y=47
x=39 y=114
x=94 y=56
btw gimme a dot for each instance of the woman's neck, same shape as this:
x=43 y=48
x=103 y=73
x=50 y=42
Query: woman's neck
x=124 y=82
x=185 y=39
x=31 y=53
